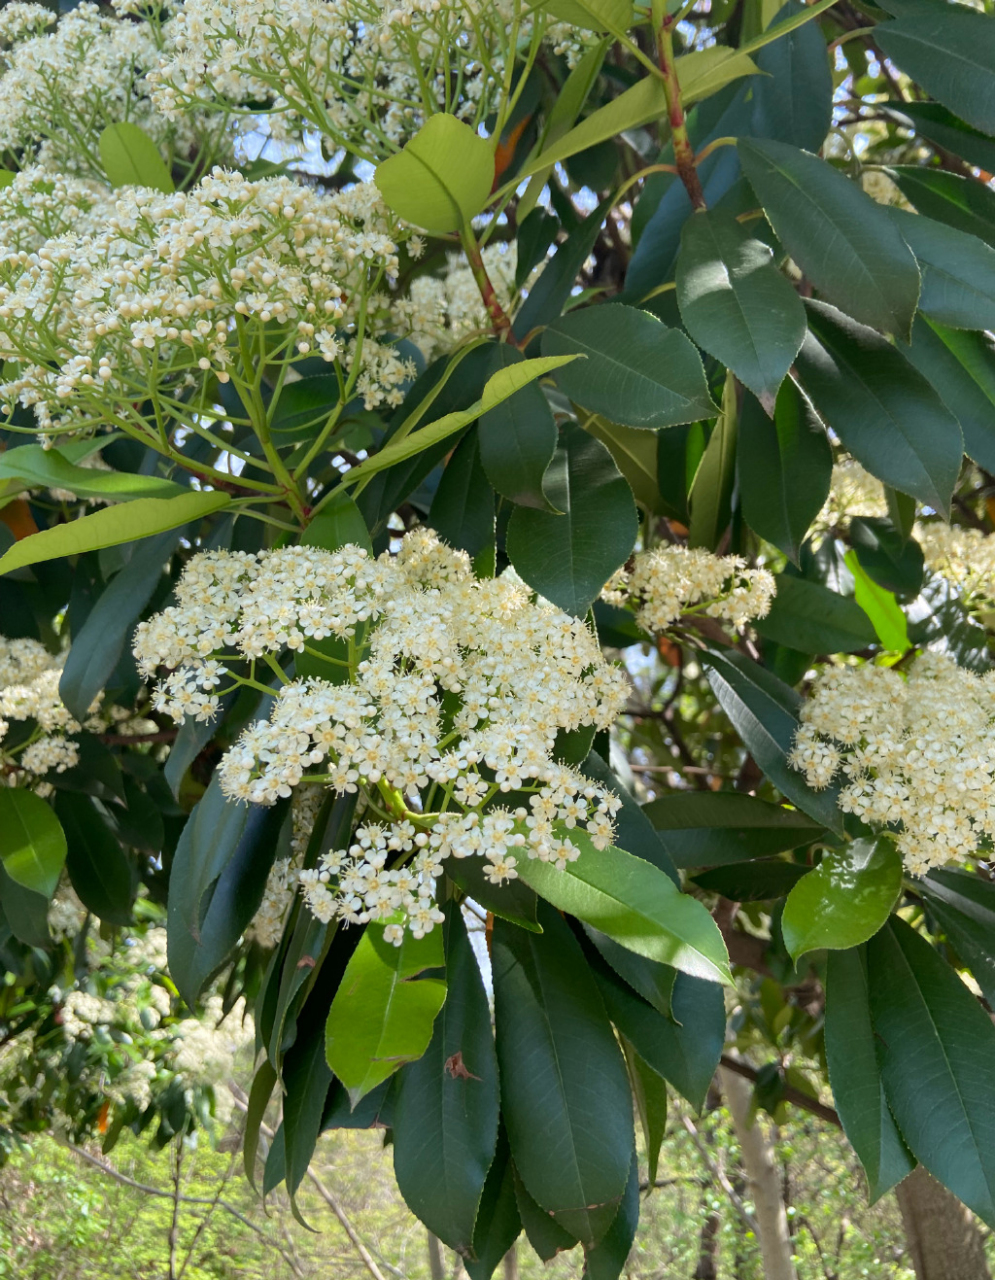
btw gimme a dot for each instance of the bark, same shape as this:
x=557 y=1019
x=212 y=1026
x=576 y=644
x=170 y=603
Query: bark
x=510 y=1269
x=943 y=1237
x=708 y=1249
x=763 y=1177
x=436 y=1262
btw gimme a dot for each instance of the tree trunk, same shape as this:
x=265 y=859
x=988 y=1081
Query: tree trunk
x=436 y=1262
x=763 y=1179
x=510 y=1268
x=708 y=1249
x=943 y=1238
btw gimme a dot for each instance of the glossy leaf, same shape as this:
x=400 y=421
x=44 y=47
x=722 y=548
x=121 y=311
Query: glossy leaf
x=568 y=558
x=964 y=904
x=960 y=365
x=100 y=870
x=880 y=605
x=636 y=371
x=855 y=1077
x=49 y=468
x=445 y=1116
x=131 y=159
x=793 y=99
x=123 y=523
x=384 y=1011
x=844 y=900
x=962 y=203
x=442 y=178
x=32 y=842
x=891 y=557
x=784 y=468
x=97 y=647
x=648 y=978
x=935 y=1045
x=844 y=242
x=949 y=52
x=886 y=415
x=958 y=271
x=735 y=303
x=564 y=1091
x=591 y=15
x=764 y=712
x=807 y=616
x=549 y=293
x=634 y=904
x=706 y=829
x=25 y=912
x=462 y=511
x=338 y=523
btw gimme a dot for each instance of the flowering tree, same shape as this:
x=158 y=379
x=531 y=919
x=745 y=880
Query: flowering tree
x=412 y=408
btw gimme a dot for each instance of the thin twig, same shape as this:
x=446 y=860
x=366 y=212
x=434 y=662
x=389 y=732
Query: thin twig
x=789 y=1093
x=719 y=1175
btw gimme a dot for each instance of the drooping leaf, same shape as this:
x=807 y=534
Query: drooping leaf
x=24 y=911
x=564 y=1091
x=636 y=371
x=131 y=159
x=807 y=616
x=260 y=1093
x=100 y=870
x=498 y=1223
x=764 y=712
x=542 y=1231
x=855 y=1077
x=705 y=829
x=607 y=1259
x=634 y=904
x=125 y=522
x=844 y=900
x=935 y=1045
x=845 y=243
x=793 y=100
x=784 y=468
x=949 y=52
x=568 y=558
x=958 y=271
x=445 y=1116
x=964 y=905
x=891 y=558
x=735 y=303
x=887 y=416
x=649 y=1093
x=462 y=511
x=880 y=605
x=32 y=842
x=442 y=178
x=384 y=1010
x=96 y=649
x=960 y=365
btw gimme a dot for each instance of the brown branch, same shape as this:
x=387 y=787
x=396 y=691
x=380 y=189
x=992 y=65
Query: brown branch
x=789 y=1093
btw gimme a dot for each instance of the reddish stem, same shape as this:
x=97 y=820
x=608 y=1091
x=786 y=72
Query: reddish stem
x=683 y=151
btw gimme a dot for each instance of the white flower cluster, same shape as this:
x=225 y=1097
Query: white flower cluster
x=38 y=205
x=29 y=691
x=59 y=88
x=365 y=73
x=965 y=557
x=438 y=312
x=65 y=912
x=456 y=690
x=669 y=582
x=177 y=290
x=852 y=492
x=918 y=753
x=204 y=1049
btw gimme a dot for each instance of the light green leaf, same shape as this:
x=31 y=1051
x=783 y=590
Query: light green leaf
x=880 y=606
x=338 y=523
x=735 y=303
x=787 y=24
x=846 y=244
x=844 y=900
x=592 y=15
x=6 y=178
x=131 y=159
x=637 y=371
x=634 y=903
x=442 y=178
x=50 y=468
x=498 y=387
x=32 y=842
x=123 y=523
x=383 y=1013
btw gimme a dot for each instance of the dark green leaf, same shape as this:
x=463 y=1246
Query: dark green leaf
x=517 y=442
x=650 y=979
x=635 y=904
x=961 y=367
x=446 y=1104
x=513 y=901
x=649 y=1093
x=564 y=1090
x=543 y=1232
x=752 y=881
x=844 y=900
x=374 y=1111
x=711 y=491
x=704 y=829
x=635 y=454
x=855 y=1076
x=101 y=871
x=934 y=122
x=25 y=911
x=462 y=511
x=764 y=712
x=950 y=52
x=568 y=558
x=636 y=371
x=736 y=304
x=958 y=271
x=304 y=407
x=844 y=242
x=935 y=1045
x=498 y=1224
x=963 y=203
x=964 y=905
x=550 y=292
x=259 y=1095
x=338 y=523
x=886 y=415
x=607 y=1259
x=896 y=562
x=216 y=884
x=97 y=647
x=808 y=616
x=793 y=99
x=784 y=468
x=32 y=843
